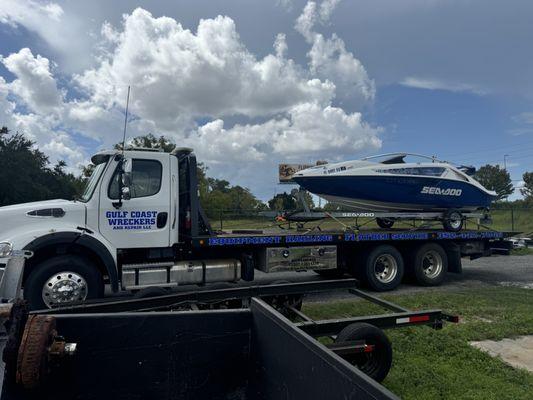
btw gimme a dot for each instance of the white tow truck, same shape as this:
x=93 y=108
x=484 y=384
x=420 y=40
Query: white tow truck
x=139 y=226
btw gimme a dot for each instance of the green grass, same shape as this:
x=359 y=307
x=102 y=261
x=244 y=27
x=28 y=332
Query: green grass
x=430 y=364
x=522 y=251
x=503 y=220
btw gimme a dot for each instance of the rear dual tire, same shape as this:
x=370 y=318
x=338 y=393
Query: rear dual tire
x=383 y=268
x=429 y=264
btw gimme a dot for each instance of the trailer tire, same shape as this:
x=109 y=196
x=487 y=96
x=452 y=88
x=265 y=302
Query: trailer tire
x=375 y=364
x=452 y=220
x=56 y=272
x=383 y=268
x=430 y=264
x=385 y=223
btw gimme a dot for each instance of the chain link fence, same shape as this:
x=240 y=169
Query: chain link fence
x=516 y=219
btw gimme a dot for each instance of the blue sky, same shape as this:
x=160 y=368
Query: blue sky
x=274 y=81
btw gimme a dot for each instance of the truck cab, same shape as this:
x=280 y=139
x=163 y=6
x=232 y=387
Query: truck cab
x=129 y=229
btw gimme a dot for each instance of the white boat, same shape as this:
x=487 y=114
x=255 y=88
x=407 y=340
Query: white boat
x=387 y=183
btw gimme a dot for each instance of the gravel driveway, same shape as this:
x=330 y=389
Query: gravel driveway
x=514 y=271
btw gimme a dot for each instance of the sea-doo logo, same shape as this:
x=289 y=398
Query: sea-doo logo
x=442 y=192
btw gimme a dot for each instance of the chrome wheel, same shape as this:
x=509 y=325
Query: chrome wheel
x=432 y=263
x=385 y=268
x=456 y=220
x=64 y=288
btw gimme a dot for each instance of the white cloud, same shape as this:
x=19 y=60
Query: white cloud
x=28 y=12
x=43 y=123
x=307 y=131
x=67 y=35
x=436 y=84
x=328 y=57
x=34 y=84
x=179 y=77
x=525 y=117
x=326 y=9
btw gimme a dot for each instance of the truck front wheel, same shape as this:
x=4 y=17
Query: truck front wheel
x=61 y=281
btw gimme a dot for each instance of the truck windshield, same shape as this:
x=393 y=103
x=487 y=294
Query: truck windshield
x=90 y=186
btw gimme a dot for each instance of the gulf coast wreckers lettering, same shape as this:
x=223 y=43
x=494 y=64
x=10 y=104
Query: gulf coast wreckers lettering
x=131 y=220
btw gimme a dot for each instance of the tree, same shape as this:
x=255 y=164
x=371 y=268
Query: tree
x=286 y=202
x=26 y=172
x=527 y=190
x=215 y=194
x=495 y=178
x=150 y=142
x=282 y=202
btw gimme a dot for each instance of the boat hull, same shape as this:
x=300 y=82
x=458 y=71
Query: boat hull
x=396 y=193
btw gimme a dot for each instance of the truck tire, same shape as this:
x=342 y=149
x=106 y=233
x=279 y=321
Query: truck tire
x=383 y=268
x=430 y=264
x=70 y=278
x=377 y=363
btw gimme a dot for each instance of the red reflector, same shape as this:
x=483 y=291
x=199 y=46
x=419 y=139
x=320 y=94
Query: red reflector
x=419 y=318
x=369 y=348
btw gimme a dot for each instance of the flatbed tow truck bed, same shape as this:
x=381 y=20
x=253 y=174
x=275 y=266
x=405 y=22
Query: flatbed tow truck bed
x=283 y=238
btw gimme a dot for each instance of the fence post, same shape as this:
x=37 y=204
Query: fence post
x=512 y=219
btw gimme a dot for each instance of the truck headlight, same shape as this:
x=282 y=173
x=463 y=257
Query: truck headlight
x=5 y=249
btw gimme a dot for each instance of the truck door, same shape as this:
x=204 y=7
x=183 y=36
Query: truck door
x=143 y=220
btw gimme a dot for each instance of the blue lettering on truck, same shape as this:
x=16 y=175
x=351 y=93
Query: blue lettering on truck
x=131 y=220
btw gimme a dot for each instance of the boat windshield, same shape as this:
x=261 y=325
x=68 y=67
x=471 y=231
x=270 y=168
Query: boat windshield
x=424 y=171
x=456 y=175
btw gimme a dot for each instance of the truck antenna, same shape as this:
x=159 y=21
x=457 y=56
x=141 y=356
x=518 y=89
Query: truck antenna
x=126 y=120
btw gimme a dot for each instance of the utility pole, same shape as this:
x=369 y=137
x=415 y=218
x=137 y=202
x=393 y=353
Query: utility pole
x=505 y=161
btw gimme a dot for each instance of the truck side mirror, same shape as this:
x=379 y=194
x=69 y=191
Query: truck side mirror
x=126 y=178
x=124 y=188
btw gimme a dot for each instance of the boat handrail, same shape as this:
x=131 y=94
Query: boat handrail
x=432 y=158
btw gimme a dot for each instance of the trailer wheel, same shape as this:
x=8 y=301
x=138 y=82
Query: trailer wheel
x=62 y=280
x=383 y=268
x=376 y=363
x=453 y=220
x=385 y=223
x=430 y=264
